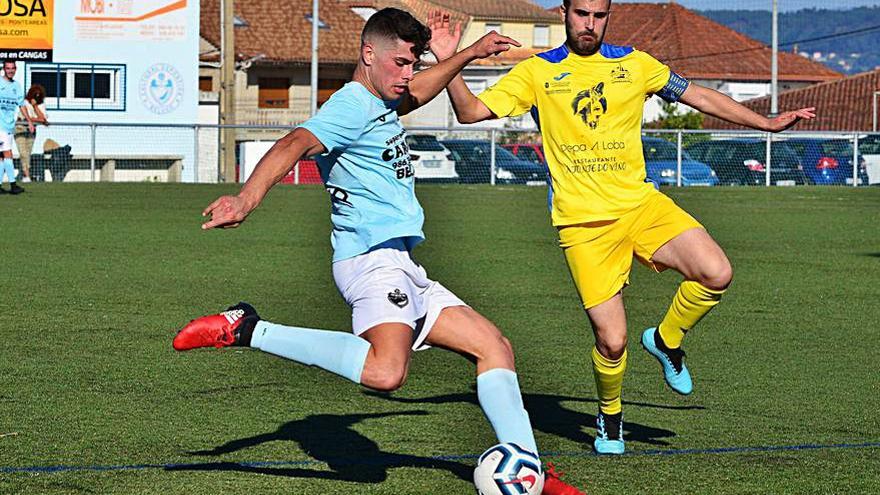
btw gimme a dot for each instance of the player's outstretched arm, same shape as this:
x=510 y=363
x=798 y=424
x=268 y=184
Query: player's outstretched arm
x=429 y=83
x=467 y=107
x=719 y=105
x=230 y=211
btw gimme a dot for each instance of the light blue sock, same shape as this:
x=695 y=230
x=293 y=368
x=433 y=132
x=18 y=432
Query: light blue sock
x=337 y=352
x=500 y=398
x=9 y=169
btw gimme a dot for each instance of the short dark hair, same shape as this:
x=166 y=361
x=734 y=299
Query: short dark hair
x=8 y=61
x=567 y=3
x=394 y=24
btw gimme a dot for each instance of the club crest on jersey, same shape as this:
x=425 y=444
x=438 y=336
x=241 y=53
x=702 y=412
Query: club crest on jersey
x=620 y=75
x=591 y=105
x=398 y=298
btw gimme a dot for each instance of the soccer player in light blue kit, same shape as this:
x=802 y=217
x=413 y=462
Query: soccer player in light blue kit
x=377 y=221
x=11 y=101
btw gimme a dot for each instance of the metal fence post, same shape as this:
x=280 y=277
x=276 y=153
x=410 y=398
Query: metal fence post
x=855 y=160
x=195 y=155
x=94 y=131
x=767 y=160
x=492 y=137
x=678 y=169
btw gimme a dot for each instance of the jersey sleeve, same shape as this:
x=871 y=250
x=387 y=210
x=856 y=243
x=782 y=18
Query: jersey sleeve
x=338 y=123
x=512 y=95
x=662 y=81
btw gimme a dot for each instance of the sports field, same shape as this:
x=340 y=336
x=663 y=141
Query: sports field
x=96 y=279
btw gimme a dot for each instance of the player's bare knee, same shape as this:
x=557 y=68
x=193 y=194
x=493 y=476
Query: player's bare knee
x=387 y=380
x=493 y=346
x=507 y=346
x=384 y=376
x=612 y=347
x=718 y=276
x=502 y=349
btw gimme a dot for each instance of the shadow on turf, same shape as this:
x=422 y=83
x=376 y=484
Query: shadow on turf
x=550 y=416
x=328 y=438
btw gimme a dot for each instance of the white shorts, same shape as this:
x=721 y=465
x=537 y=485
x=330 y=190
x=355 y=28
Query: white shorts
x=386 y=286
x=5 y=141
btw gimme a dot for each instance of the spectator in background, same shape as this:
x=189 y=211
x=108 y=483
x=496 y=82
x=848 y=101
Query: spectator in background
x=11 y=99
x=33 y=112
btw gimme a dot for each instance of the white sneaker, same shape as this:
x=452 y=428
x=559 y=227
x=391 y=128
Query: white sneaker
x=25 y=179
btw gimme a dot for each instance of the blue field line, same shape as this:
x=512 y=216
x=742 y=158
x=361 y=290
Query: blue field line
x=385 y=459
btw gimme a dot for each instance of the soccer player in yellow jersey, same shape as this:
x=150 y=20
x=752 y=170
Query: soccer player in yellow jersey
x=587 y=97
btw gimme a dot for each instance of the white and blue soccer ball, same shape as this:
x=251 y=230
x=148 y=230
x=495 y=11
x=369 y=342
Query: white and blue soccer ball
x=508 y=469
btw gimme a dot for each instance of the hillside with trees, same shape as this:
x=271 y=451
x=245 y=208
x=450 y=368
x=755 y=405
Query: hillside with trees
x=849 y=38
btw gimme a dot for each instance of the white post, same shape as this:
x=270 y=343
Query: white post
x=774 y=63
x=313 y=98
x=678 y=169
x=492 y=157
x=856 y=160
x=227 y=85
x=296 y=173
x=94 y=129
x=767 y=160
x=195 y=155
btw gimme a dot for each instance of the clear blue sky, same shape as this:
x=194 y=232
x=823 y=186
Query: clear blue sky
x=750 y=4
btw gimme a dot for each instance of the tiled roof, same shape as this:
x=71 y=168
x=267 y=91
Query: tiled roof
x=509 y=10
x=501 y=10
x=843 y=105
x=281 y=30
x=699 y=48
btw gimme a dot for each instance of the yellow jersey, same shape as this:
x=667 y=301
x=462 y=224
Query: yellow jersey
x=589 y=110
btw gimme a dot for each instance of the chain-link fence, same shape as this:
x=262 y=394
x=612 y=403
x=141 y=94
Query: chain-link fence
x=189 y=153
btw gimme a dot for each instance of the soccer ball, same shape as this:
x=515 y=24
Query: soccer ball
x=508 y=469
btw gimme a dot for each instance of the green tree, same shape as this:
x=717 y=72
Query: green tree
x=671 y=118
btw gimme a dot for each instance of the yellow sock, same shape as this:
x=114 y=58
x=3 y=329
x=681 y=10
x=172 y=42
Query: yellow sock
x=609 y=381
x=689 y=306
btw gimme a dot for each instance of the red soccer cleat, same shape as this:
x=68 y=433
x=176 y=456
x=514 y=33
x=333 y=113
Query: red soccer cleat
x=553 y=484
x=235 y=326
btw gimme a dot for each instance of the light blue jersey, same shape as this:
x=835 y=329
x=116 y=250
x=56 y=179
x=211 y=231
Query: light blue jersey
x=11 y=98
x=367 y=172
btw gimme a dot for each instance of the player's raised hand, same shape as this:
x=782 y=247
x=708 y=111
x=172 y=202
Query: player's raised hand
x=444 y=35
x=226 y=212
x=492 y=44
x=785 y=120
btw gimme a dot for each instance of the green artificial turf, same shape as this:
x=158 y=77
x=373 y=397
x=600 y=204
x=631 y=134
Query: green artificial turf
x=96 y=279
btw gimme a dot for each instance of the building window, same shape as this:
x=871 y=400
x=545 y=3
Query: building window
x=490 y=26
x=274 y=92
x=80 y=86
x=326 y=88
x=541 y=37
x=206 y=83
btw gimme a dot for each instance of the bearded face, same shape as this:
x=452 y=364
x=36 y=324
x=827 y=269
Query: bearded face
x=585 y=23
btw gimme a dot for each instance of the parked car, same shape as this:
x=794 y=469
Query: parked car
x=828 y=161
x=431 y=161
x=742 y=161
x=472 y=162
x=532 y=152
x=661 y=165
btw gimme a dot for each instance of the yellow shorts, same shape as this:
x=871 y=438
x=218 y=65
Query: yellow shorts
x=599 y=254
